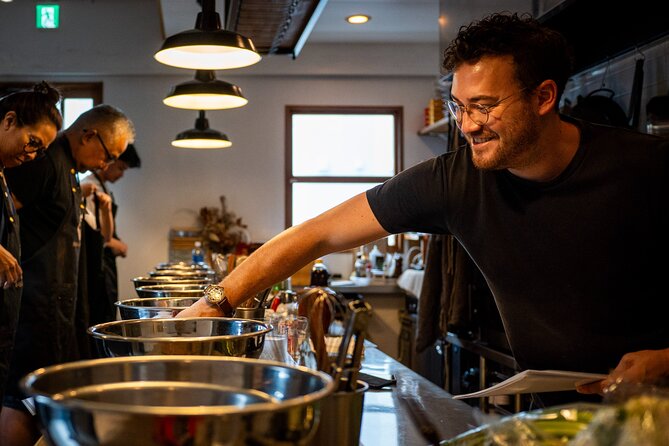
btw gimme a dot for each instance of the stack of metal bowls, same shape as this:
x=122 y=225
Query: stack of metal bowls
x=148 y=308
x=177 y=400
x=176 y=274
x=170 y=280
x=216 y=336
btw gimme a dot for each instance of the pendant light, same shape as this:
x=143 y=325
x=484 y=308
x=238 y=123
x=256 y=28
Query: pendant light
x=207 y=46
x=201 y=137
x=205 y=92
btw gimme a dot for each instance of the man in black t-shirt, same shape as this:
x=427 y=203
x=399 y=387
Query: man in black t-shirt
x=566 y=220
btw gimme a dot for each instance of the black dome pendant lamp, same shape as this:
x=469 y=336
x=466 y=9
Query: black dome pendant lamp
x=205 y=92
x=201 y=137
x=207 y=47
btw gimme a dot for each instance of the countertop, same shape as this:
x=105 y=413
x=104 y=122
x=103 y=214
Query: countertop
x=367 y=286
x=386 y=421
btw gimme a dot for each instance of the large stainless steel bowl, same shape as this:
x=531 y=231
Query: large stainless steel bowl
x=163 y=280
x=177 y=400
x=171 y=290
x=147 y=308
x=216 y=336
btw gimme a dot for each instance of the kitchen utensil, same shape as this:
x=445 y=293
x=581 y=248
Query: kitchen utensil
x=345 y=373
x=148 y=308
x=185 y=336
x=341 y=417
x=177 y=400
x=171 y=290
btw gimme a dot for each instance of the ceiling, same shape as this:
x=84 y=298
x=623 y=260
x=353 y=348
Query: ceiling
x=262 y=20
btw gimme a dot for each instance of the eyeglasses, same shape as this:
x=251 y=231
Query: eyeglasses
x=35 y=145
x=109 y=158
x=478 y=113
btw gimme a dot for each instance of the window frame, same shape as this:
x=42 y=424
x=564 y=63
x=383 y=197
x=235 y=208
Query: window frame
x=290 y=179
x=68 y=90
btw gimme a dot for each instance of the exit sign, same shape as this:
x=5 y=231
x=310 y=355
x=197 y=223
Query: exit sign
x=47 y=16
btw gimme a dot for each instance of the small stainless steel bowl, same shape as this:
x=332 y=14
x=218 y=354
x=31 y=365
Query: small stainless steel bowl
x=148 y=308
x=182 y=266
x=171 y=290
x=170 y=400
x=161 y=280
x=216 y=336
x=191 y=274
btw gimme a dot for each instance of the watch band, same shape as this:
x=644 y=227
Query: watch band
x=225 y=307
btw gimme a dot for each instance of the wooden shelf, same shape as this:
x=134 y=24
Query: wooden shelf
x=436 y=128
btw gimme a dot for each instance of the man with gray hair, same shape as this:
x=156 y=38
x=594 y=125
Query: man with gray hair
x=50 y=205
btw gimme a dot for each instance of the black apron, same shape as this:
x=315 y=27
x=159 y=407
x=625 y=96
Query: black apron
x=10 y=299
x=101 y=265
x=49 y=328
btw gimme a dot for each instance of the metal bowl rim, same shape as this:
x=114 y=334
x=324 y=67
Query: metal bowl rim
x=122 y=304
x=167 y=286
x=74 y=403
x=96 y=334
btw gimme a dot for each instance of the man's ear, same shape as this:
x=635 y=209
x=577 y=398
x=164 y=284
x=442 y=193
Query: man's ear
x=546 y=97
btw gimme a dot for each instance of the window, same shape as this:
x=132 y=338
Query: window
x=77 y=97
x=334 y=153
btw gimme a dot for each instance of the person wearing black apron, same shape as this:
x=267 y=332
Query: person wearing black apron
x=29 y=121
x=53 y=321
x=101 y=256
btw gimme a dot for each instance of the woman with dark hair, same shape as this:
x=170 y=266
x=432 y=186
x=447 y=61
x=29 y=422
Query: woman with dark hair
x=29 y=122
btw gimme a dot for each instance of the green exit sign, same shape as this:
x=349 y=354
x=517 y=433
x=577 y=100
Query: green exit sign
x=47 y=16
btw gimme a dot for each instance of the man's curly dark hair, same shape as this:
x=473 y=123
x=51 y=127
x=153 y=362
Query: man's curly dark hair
x=539 y=53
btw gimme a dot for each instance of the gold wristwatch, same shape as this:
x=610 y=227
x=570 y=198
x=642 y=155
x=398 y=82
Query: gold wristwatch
x=215 y=295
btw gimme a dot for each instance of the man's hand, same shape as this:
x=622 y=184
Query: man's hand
x=643 y=367
x=11 y=273
x=104 y=200
x=87 y=189
x=201 y=308
x=117 y=247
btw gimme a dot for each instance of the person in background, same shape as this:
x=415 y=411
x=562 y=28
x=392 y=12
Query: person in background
x=565 y=219
x=101 y=255
x=49 y=202
x=29 y=122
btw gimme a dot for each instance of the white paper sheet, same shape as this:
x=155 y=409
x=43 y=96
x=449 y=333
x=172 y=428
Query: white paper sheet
x=536 y=381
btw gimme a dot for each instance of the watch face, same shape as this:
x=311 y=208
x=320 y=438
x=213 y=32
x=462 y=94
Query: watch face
x=214 y=294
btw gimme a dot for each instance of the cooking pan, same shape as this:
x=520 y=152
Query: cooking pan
x=599 y=107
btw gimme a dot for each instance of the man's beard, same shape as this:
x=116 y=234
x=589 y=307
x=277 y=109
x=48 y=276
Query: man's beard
x=518 y=149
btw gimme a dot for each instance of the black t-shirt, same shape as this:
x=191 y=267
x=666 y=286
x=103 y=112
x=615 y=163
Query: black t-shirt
x=577 y=265
x=35 y=185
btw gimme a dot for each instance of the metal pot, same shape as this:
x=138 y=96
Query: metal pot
x=148 y=308
x=177 y=400
x=216 y=336
x=172 y=290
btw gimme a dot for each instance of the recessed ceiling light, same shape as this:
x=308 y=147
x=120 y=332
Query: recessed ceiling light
x=358 y=19
x=6 y=1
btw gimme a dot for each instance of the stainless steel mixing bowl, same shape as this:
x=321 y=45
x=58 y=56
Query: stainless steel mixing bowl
x=171 y=290
x=182 y=266
x=147 y=308
x=177 y=400
x=215 y=336
x=163 y=280
x=191 y=274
